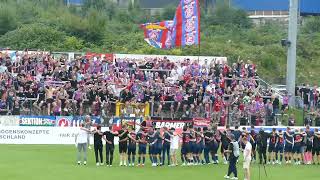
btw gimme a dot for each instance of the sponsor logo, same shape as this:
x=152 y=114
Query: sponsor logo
x=63 y=122
x=36 y=121
x=176 y=125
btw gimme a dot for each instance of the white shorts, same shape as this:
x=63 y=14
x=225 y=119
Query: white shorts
x=246 y=164
x=173 y=151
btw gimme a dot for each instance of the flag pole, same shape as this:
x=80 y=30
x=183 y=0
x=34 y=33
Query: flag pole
x=199 y=35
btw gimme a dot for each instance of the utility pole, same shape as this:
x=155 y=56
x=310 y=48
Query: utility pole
x=292 y=49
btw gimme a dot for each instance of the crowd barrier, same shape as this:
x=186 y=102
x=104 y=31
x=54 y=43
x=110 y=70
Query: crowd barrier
x=39 y=135
x=62 y=129
x=52 y=121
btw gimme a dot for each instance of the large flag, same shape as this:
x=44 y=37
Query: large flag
x=158 y=34
x=184 y=30
x=186 y=25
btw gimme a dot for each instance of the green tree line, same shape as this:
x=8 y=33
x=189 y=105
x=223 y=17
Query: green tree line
x=101 y=26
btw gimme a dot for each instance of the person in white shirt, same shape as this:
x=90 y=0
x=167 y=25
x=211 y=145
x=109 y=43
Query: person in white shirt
x=81 y=140
x=174 y=146
x=247 y=157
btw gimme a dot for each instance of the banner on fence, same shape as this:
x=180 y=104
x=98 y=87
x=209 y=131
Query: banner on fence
x=201 y=122
x=9 y=120
x=177 y=124
x=37 y=120
x=76 y=120
x=107 y=56
x=40 y=135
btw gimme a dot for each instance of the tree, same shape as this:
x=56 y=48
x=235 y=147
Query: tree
x=311 y=24
x=8 y=20
x=96 y=4
x=34 y=36
x=96 y=27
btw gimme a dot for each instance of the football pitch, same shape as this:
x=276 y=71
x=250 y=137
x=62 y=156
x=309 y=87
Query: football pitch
x=55 y=162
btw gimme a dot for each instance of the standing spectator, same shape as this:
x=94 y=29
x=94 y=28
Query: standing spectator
x=49 y=97
x=234 y=152
x=81 y=143
x=98 y=146
x=275 y=104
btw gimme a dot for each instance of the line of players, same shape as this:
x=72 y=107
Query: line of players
x=201 y=145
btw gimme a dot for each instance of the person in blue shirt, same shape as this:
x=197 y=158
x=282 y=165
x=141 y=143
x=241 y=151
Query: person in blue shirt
x=273 y=138
x=185 y=148
x=158 y=147
x=193 y=150
x=152 y=146
x=298 y=138
x=280 y=147
x=132 y=137
x=142 y=141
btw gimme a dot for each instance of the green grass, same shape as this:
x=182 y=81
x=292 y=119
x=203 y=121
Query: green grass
x=54 y=162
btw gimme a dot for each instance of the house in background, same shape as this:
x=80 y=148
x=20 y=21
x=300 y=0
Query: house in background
x=264 y=10
x=257 y=9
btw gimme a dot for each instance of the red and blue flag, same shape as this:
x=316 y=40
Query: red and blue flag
x=184 y=30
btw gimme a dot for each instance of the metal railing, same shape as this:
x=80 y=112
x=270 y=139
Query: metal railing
x=29 y=106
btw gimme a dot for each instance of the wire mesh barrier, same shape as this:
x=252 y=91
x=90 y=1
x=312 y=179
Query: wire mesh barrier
x=31 y=106
x=229 y=111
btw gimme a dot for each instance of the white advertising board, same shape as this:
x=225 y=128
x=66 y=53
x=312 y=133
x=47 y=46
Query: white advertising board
x=201 y=59
x=40 y=135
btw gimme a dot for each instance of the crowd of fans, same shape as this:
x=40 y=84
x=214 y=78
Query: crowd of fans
x=186 y=88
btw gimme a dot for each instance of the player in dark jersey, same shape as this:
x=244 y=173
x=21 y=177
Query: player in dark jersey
x=166 y=145
x=297 y=147
x=158 y=147
x=225 y=141
x=308 y=153
x=193 y=149
x=252 y=140
x=185 y=149
x=316 y=146
x=216 y=144
x=199 y=146
x=280 y=147
x=132 y=145
x=152 y=146
x=273 y=138
x=208 y=138
x=108 y=136
x=142 y=141
x=98 y=146
x=123 y=145
x=288 y=147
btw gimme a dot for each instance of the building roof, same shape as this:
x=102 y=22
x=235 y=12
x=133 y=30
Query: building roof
x=306 y=6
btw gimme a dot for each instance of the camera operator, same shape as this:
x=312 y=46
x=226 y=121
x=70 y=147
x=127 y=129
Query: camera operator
x=262 y=139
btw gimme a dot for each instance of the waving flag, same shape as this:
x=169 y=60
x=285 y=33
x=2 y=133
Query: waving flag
x=184 y=30
x=158 y=34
